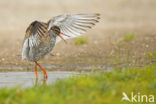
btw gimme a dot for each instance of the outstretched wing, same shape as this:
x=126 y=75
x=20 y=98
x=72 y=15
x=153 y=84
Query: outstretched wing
x=35 y=32
x=33 y=37
x=73 y=25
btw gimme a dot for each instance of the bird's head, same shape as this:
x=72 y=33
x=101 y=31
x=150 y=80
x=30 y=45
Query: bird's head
x=58 y=32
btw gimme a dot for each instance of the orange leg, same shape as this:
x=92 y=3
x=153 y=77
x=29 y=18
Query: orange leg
x=36 y=71
x=44 y=72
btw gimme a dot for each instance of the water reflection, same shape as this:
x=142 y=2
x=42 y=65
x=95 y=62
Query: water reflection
x=27 y=79
x=43 y=82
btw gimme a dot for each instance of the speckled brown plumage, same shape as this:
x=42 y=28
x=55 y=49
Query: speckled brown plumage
x=40 y=37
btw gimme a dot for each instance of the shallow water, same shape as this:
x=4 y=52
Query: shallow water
x=27 y=79
x=53 y=67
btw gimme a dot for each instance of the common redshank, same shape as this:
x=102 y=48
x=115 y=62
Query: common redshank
x=40 y=37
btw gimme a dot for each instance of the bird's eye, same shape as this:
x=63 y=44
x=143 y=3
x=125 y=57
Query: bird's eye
x=56 y=29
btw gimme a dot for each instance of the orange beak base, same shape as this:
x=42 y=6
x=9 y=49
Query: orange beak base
x=59 y=34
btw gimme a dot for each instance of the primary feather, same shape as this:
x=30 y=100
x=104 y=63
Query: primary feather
x=73 y=25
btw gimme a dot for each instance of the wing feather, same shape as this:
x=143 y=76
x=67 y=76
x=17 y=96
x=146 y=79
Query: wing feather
x=73 y=25
x=35 y=32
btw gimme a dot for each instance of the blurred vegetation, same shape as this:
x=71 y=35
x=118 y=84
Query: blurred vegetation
x=151 y=55
x=129 y=37
x=96 y=88
x=81 y=40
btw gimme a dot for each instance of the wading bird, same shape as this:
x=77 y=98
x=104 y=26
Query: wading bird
x=40 y=37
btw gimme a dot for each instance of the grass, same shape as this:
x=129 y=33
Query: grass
x=96 y=88
x=151 y=55
x=81 y=40
x=129 y=37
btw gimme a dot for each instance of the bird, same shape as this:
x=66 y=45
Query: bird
x=41 y=37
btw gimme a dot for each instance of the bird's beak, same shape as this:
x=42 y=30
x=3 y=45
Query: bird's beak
x=62 y=37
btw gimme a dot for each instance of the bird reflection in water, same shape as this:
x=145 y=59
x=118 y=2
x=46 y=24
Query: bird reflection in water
x=42 y=82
